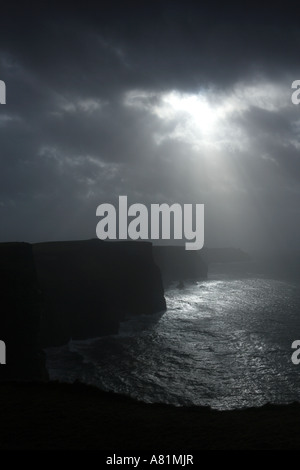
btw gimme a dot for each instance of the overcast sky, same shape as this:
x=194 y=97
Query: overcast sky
x=163 y=103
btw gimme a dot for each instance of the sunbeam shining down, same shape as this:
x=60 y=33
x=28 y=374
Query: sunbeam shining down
x=211 y=118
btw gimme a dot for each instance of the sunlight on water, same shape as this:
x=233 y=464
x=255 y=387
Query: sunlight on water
x=225 y=343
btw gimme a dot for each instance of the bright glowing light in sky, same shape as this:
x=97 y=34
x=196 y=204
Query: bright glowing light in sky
x=196 y=109
x=209 y=119
x=199 y=119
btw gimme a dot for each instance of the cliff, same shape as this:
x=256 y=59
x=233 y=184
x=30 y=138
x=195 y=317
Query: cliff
x=20 y=314
x=90 y=286
x=176 y=263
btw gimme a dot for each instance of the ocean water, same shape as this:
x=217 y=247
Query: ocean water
x=224 y=343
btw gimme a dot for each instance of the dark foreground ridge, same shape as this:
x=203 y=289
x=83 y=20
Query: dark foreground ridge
x=76 y=416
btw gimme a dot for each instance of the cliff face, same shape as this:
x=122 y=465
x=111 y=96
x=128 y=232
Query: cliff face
x=20 y=314
x=90 y=286
x=176 y=263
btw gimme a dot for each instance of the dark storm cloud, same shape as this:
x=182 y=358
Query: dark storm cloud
x=70 y=139
x=155 y=44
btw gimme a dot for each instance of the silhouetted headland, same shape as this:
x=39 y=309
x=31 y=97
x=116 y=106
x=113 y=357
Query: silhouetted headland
x=178 y=264
x=90 y=286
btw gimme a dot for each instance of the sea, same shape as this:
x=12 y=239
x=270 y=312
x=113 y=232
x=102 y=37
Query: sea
x=224 y=342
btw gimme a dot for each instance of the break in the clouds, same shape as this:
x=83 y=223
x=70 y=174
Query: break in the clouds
x=169 y=102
